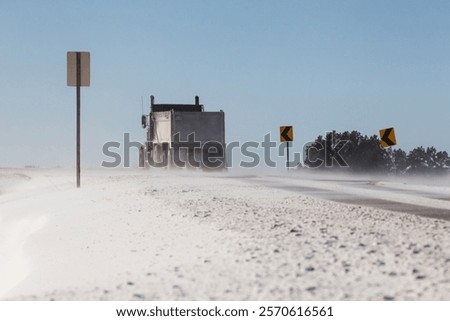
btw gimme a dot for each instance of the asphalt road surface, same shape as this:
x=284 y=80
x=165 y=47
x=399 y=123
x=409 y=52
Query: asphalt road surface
x=424 y=199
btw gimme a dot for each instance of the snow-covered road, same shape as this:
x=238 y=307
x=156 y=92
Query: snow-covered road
x=405 y=197
x=180 y=235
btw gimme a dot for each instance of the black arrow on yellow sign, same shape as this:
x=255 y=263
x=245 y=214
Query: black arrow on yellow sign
x=286 y=134
x=387 y=137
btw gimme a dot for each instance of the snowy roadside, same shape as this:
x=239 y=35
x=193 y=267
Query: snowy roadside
x=191 y=236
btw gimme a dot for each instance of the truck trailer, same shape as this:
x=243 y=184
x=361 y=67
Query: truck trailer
x=183 y=136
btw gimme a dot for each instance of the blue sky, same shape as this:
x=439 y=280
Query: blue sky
x=316 y=65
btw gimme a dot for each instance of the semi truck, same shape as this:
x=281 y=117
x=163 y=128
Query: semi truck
x=183 y=136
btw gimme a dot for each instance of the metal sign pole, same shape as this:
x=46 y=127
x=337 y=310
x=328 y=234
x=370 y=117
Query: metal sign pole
x=286 y=135
x=78 y=115
x=78 y=75
x=287 y=154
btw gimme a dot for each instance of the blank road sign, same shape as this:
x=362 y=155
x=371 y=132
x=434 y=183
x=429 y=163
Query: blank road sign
x=286 y=133
x=387 y=137
x=85 y=61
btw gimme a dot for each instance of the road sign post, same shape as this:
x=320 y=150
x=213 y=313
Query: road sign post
x=78 y=116
x=287 y=155
x=78 y=75
x=287 y=135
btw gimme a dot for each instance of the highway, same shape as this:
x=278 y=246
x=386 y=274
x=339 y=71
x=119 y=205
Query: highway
x=429 y=199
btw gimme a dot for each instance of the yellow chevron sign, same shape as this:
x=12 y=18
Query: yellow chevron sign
x=286 y=133
x=387 y=137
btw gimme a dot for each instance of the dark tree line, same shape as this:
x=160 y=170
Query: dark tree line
x=363 y=153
